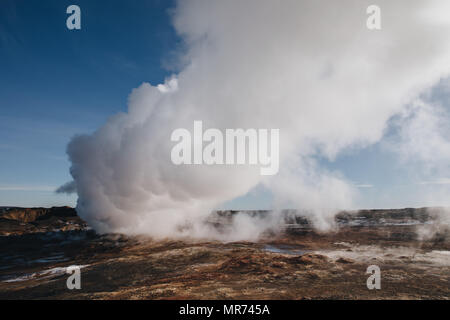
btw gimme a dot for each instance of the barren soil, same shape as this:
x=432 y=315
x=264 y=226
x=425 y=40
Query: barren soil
x=299 y=263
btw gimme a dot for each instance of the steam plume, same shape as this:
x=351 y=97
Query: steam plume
x=310 y=68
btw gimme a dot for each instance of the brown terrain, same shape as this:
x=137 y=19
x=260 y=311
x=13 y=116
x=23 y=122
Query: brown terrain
x=410 y=247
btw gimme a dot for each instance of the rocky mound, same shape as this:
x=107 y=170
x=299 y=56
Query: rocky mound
x=33 y=214
x=16 y=220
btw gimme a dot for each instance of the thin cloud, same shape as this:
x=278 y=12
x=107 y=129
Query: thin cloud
x=27 y=188
x=440 y=181
x=364 y=185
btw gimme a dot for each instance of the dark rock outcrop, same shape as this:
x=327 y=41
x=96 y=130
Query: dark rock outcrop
x=32 y=214
x=17 y=221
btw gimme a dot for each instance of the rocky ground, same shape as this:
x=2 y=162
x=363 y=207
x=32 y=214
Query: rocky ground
x=37 y=245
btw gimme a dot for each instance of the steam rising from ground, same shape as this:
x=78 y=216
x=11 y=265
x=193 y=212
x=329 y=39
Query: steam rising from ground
x=310 y=68
x=439 y=229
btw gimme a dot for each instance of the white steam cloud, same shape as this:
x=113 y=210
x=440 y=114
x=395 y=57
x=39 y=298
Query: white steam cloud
x=310 y=68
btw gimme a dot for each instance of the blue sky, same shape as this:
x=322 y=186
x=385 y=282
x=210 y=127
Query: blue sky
x=56 y=83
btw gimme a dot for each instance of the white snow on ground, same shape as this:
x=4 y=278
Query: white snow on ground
x=372 y=254
x=44 y=274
